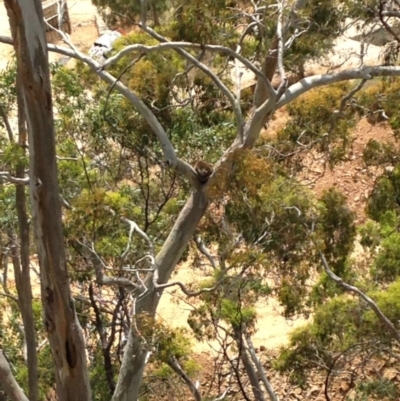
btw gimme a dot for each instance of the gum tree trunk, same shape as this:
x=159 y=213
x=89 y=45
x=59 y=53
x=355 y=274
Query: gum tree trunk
x=61 y=323
x=21 y=262
x=135 y=353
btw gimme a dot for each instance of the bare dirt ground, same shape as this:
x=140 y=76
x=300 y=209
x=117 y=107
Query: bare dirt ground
x=84 y=31
x=353 y=178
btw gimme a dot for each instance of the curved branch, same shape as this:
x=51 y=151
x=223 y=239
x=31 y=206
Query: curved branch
x=179 y=45
x=306 y=84
x=185 y=290
x=255 y=123
x=221 y=86
x=176 y=367
x=5 y=176
x=168 y=150
x=372 y=304
x=101 y=278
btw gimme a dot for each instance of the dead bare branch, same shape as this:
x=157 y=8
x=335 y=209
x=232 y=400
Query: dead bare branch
x=176 y=367
x=205 y=251
x=99 y=265
x=135 y=228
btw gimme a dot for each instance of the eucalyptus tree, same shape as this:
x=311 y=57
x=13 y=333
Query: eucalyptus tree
x=270 y=31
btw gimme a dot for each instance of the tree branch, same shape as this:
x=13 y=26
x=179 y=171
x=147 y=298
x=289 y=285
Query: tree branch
x=99 y=265
x=385 y=24
x=9 y=130
x=260 y=369
x=315 y=81
x=8 y=382
x=222 y=87
x=381 y=316
x=205 y=251
x=5 y=176
x=168 y=150
x=262 y=93
x=174 y=364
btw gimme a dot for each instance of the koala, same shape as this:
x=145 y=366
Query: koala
x=203 y=170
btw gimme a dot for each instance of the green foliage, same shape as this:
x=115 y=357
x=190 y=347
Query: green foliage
x=379 y=389
x=322 y=20
x=236 y=315
x=46 y=372
x=365 y=10
x=7 y=207
x=270 y=209
x=149 y=77
x=313 y=124
x=370 y=235
x=381 y=96
x=11 y=339
x=91 y=214
x=201 y=129
x=204 y=21
x=386 y=265
x=263 y=223
x=209 y=103
x=339 y=325
x=97 y=375
x=13 y=156
x=8 y=93
x=124 y=12
x=335 y=236
x=378 y=153
x=389 y=302
x=384 y=196
x=291 y=294
x=171 y=343
x=201 y=136
x=172 y=347
x=233 y=300
x=336 y=222
x=334 y=328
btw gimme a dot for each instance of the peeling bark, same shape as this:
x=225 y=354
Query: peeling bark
x=61 y=323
